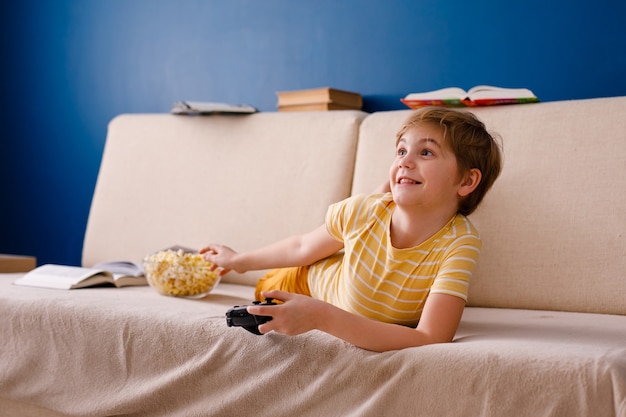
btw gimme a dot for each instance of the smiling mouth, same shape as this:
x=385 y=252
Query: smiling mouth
x=407 y=181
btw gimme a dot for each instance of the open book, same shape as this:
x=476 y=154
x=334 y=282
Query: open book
x=481 y=95
x=199 y=107
x=118 y=274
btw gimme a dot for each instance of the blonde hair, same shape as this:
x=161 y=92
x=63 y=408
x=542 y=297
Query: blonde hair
x=471 y=144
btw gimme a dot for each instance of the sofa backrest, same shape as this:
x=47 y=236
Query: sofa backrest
x=554 y=224
x=243 y=181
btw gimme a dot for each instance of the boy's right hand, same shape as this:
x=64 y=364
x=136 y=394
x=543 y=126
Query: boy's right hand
x=221 y=257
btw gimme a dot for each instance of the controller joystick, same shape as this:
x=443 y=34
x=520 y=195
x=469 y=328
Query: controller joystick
x=239 y=316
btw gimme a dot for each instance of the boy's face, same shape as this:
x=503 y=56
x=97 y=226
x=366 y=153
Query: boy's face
x=425 y=173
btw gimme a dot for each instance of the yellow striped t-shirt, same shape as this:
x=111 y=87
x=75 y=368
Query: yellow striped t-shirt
x=372 y=278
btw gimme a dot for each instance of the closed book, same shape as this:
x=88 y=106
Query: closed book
x=315 y=107
x=320 y=95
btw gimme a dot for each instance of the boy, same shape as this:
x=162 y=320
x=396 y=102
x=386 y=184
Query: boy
x=389 y=270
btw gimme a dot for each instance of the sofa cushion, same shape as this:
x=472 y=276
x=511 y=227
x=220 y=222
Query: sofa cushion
x=108 y=351
x=168 y=180
x=553 y=225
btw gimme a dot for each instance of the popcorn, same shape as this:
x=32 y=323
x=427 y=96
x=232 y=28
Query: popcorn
x=180 y=273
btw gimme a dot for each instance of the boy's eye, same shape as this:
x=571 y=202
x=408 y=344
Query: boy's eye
x=401 y=152
x=427 y=152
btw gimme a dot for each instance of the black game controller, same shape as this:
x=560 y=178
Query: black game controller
x=239 y=316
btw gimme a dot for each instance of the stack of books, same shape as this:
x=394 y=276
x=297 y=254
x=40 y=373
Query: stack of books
x=319 y=99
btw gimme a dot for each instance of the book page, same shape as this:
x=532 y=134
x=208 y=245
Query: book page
x=123 y=280
x=61 y=276
x=450 y=93
x=121 y=268
x=486 y=92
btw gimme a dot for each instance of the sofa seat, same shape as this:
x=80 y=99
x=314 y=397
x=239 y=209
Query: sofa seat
x=131 y=351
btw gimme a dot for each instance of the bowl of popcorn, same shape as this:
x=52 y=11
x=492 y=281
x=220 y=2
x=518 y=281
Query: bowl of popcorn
x=180 y=274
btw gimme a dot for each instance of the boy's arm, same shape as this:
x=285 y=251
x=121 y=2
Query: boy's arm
x=438 y=324
x=298 y=250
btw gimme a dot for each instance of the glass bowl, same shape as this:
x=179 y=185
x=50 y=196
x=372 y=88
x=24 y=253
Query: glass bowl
x=180 y=274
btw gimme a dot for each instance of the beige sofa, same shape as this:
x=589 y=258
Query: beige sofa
x=544 y=333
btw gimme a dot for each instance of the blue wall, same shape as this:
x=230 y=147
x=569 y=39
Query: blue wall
x=71 y=66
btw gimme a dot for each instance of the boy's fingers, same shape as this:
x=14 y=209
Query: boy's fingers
x=277 y=294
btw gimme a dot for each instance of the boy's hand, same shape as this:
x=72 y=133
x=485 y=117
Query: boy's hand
x=296 y=315
x=221 y=257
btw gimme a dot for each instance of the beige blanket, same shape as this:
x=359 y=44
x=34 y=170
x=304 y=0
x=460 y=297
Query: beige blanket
x=106 y=351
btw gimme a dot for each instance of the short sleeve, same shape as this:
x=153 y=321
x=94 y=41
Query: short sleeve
x=349 y=214
x=456 y=270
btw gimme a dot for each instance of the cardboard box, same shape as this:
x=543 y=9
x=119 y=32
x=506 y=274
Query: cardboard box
x=17 y=263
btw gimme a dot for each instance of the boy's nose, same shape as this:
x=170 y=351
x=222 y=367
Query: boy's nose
x=406 y=163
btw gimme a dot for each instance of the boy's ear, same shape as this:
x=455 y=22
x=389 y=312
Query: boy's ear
x=470 y=181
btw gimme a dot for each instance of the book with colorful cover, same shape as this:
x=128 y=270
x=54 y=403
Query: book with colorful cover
x=481 y=95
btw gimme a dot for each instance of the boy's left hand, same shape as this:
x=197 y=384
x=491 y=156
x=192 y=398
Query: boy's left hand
x=296 y=314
